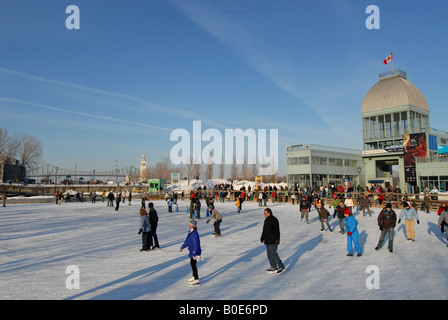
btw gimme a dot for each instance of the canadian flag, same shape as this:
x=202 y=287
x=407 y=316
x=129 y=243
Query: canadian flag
x=388 y=59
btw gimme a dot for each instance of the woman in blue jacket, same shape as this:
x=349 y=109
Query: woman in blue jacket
x=352 y=233
x=194 y=246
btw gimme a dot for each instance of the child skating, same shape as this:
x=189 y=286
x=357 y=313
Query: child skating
x=352 y=233
x=194 y=246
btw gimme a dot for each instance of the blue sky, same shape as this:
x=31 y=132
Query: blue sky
x=136 y=70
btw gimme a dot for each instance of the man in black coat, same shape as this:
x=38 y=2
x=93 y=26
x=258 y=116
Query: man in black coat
x=271 y=238
x=153 y=221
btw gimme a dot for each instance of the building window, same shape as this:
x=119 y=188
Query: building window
x=388 y=126
x=293 y=161
x=335 y=162
x=396 y=123
x=404 y=123
x=319 y=161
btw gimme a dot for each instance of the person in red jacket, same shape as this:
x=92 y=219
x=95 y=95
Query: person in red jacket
x=442 y=208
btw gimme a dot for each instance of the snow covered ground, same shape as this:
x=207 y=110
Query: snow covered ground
x=38 y=242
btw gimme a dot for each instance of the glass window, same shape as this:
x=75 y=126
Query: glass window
x=404 y=123
x=293 y=161
x=372 y=128
x=380 y=127
x=396 y=125
x=388 y=125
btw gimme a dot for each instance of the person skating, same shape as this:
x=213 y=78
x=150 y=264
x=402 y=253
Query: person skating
x=197 y=208
x=349 y=203
x=153 y=221
x=426 y=202
x=323 y=216
x=339 y=212
x=145 y=231
x=4 y=199
x=304 y=208
x=194 y=247
x=218 y=219
x=365 y=204
x=351 y=226
x=387 y=220
x=443 y=223
x=270 y=236
x=238 y=204
x=442 y=207
x=411 y=216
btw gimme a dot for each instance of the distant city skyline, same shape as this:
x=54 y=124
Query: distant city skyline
x=116 y=88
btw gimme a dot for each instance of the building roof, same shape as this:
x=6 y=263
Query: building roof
x=393 y=91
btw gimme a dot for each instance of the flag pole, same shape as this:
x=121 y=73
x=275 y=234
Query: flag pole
x=392 y=53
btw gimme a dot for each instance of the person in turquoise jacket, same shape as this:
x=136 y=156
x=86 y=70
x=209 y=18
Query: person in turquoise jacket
x=352 y=233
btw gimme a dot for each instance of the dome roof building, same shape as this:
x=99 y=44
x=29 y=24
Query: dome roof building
x=392 y=108
x=391 y=92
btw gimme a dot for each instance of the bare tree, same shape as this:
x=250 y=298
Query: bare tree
x=163 y=169
x=30 y=151
x=234 y=170
x=222 y=171
x=209 y=167
x=197 y=167
x=188 y=170
x=9 y=145
x=25 y=148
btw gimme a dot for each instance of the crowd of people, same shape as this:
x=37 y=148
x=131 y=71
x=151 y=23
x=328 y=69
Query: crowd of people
x=336 y=203
x=343 y=208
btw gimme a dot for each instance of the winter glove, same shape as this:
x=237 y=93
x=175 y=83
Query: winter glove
x=381 y=228
x=140 y=231
x=418 y=221
x=349 y=233
x=197 y=258
x=208 y=220
x=277 y=242
x=399 y=220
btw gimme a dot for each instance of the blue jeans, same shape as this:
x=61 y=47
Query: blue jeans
x=274 y=259
x=353 y=239
x=385 y=231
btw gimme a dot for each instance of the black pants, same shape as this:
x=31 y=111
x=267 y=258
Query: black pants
x=194 y=268
x=154 y=235
x=146 y=240
x=216 y=225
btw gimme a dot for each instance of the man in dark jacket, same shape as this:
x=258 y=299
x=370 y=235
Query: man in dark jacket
x=304 y=208
x=339 y=212
x=153 y=220
x=387 y=220
x=271 y=238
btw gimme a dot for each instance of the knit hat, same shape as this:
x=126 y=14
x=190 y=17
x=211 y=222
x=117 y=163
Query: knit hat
x=347 y=211
x=194 y=223
x=388 y=205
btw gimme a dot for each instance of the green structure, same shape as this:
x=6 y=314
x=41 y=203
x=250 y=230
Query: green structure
x=156 y=185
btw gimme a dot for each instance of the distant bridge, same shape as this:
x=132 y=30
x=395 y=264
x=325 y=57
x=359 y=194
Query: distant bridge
x=49 y=171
